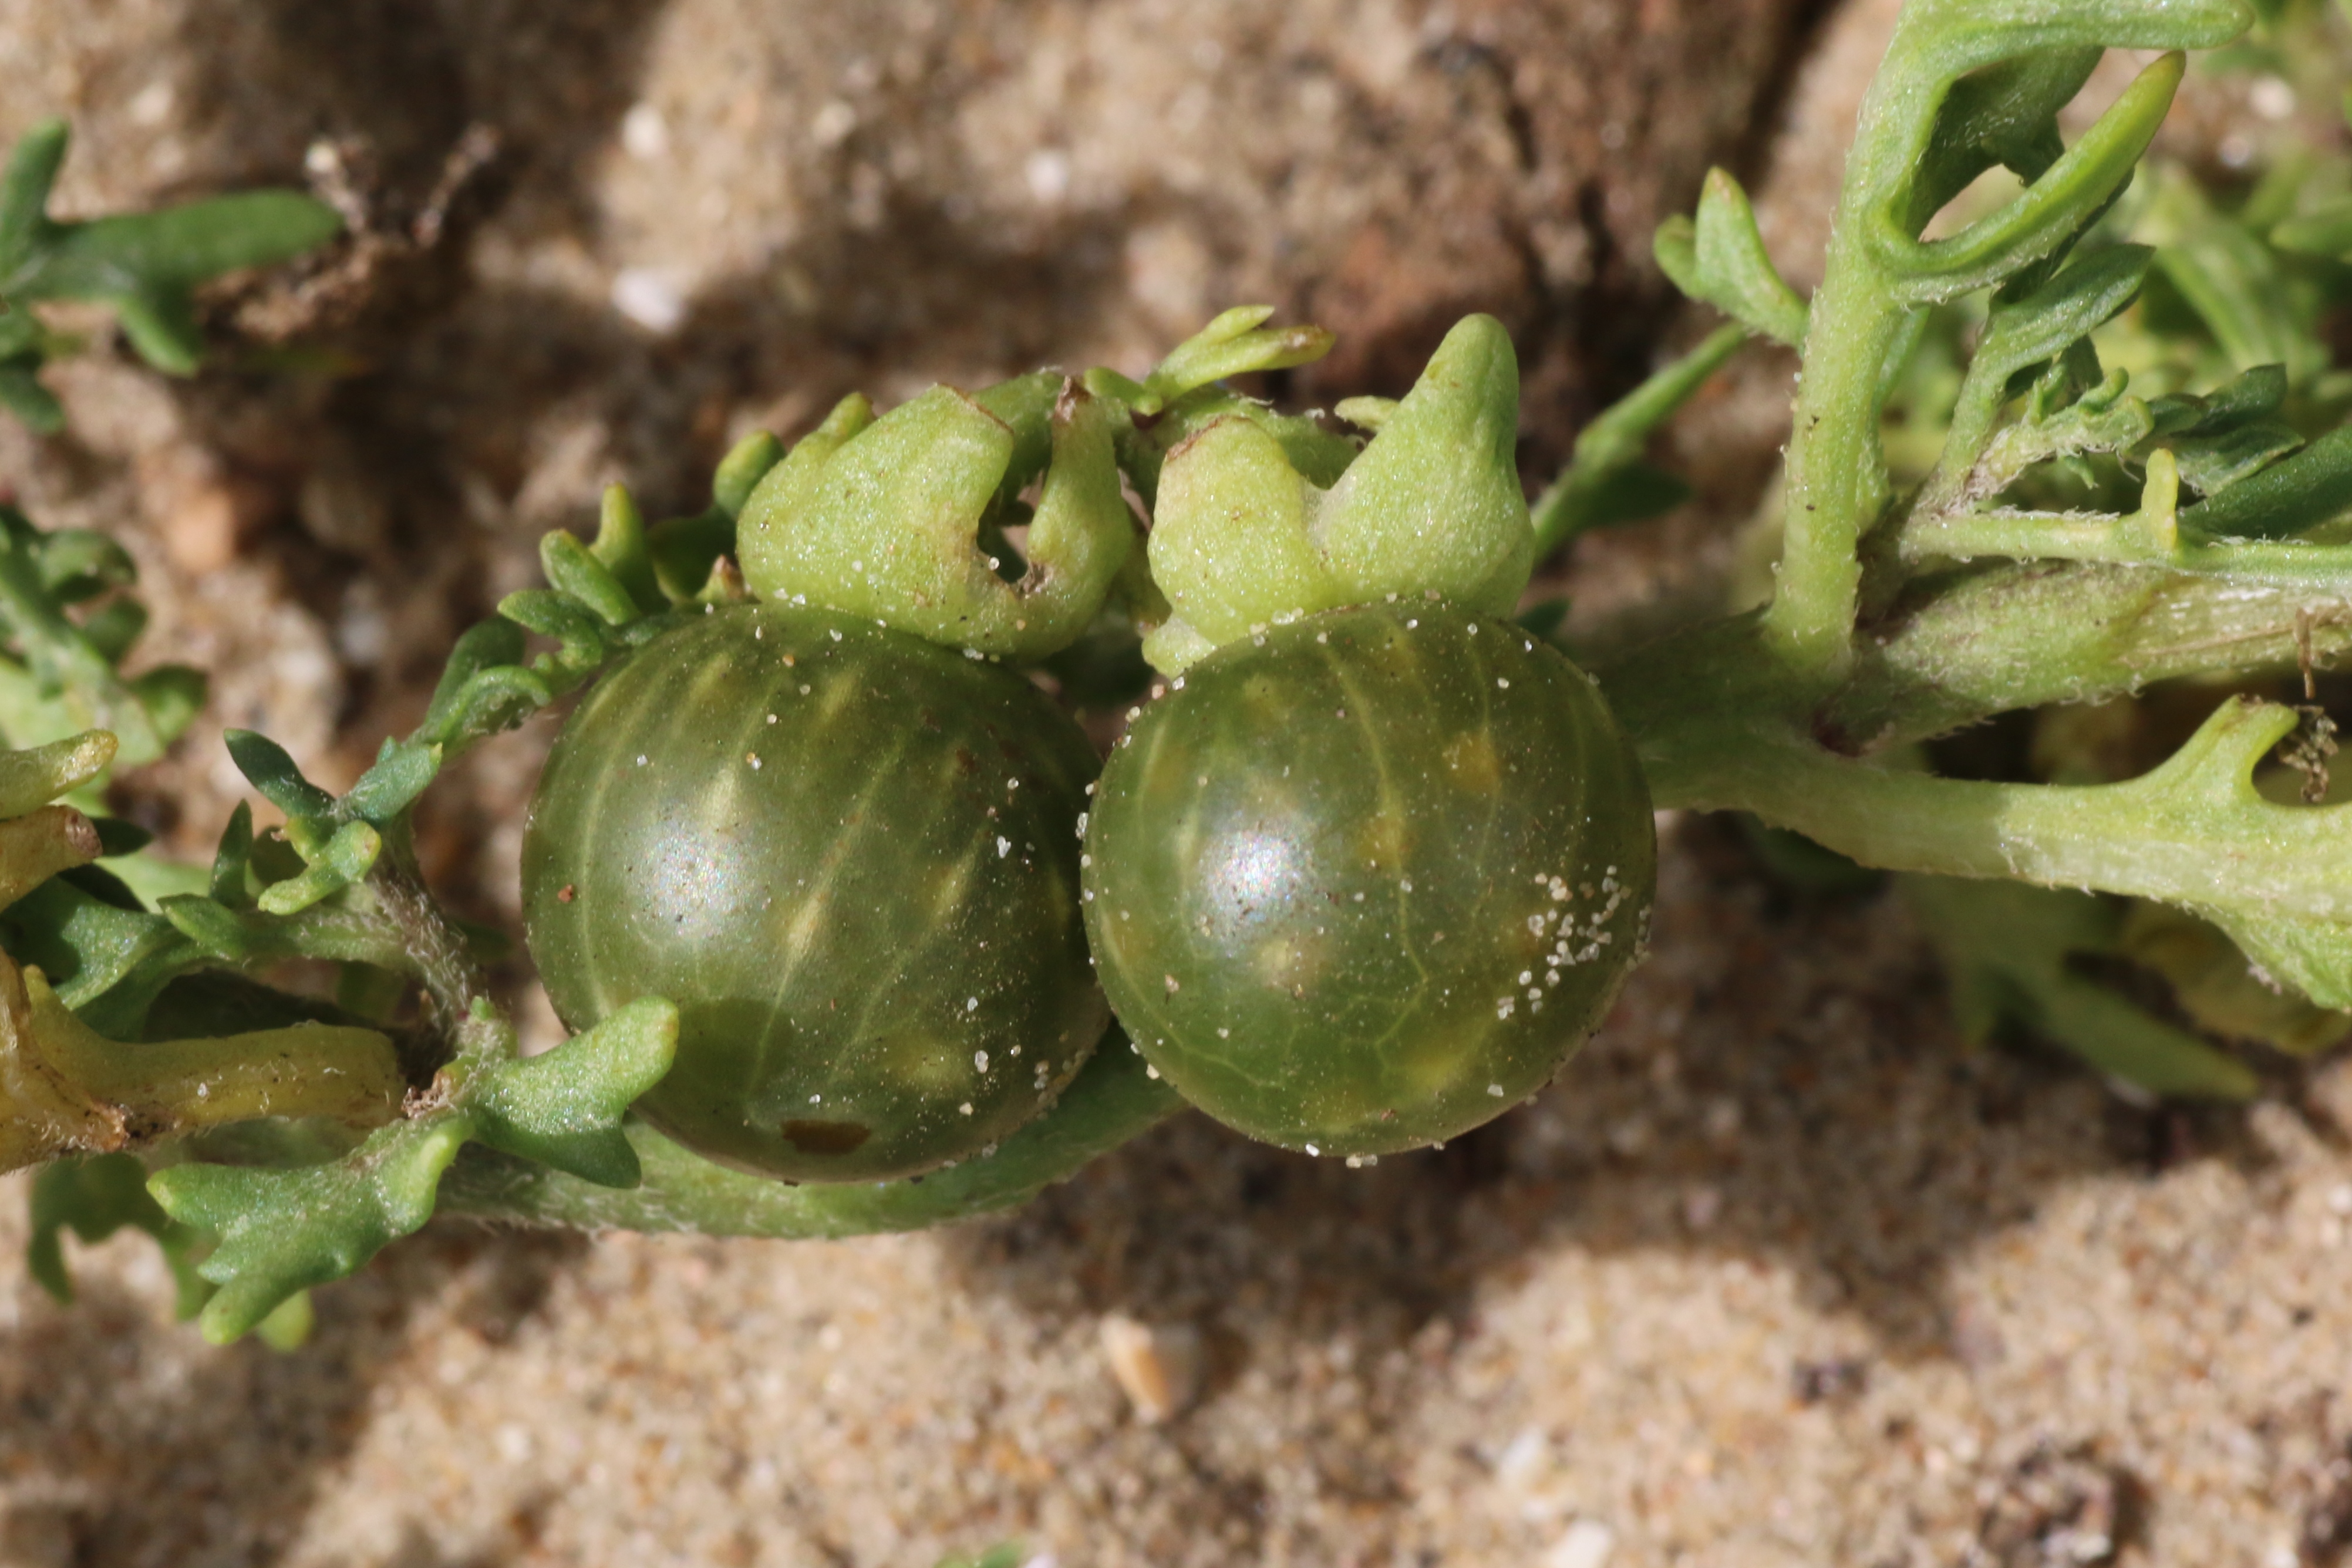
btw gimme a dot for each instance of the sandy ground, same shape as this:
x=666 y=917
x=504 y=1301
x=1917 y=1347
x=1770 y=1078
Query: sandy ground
x=1779 y=1274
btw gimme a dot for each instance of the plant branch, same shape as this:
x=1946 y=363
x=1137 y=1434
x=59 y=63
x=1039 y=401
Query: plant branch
x=1112 y=1099
x=1964 y=85
x=1612 y=444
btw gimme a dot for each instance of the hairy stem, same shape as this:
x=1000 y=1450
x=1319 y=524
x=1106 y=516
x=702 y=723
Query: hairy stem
x=2115 y=838
x=1972 y=644
x=1836 y=473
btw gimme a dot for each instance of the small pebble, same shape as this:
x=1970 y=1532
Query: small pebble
x=1588 y=1543
x=1158 y=1364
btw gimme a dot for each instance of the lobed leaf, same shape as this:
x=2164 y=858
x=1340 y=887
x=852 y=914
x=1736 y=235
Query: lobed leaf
x=739 y=472
x=2232 y=281
x=2044 y=218
x=1238 y=343
x=60 y=656
x=2216 y=985
x=1721 y=259
x=94 y=1196
x=2042 y=327
x=565 y=1109
x=579 y=632
x=2005 y=949
x=141 y=265
x=481 y=647
x=284 y=1231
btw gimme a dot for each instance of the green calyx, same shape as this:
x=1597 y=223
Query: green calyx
x=1242 y=540
x=903 y=517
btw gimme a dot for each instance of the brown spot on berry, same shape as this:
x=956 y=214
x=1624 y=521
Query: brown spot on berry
x=812 y=1137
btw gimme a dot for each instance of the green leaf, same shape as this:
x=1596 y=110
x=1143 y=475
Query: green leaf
x=2005 y=949
x=2232 y=279
x=62 y=659
x=163 y=253
x=684 y=550
x=2325 y=230
x=32 y=778
x=117 y=837
x=1591 y=492
x=1545 y=619
x=93 y=1198
x=1236 y=343
x=578 y=632
x=739 y=472
x=115 y=627
x=573 y=569
x=34 y=406
x=151 y=880
x=2064 y=311
x=1634 y=493
x=621 y=547
x=2045 y=218
x=142 y=265
x=32 y=170
x=213 y=926
x=172 y=696
x=269 y=769
x=284 y=1231
x=2040 y=327
x=1720 y=258
x=345 y=861
x=2004 y=115
x=492 y=700
x=288 y=1327
x=2244 y=399
x=399 y=775
x=2101 y=420
x=330 y=931
x=232 y=860
x=2211 y=464
x=78 y=563
x=106 y=963
x=2286 y=499
x=1802 y=863
x=2214 y=984
x=565 y=1109
x=484 y=646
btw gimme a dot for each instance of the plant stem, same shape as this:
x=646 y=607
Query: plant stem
x=1836 y=473
x=1113 y=1099
x=66 y=1087
x=1973 y=644
x=1615 y=439
x=2050 y=835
